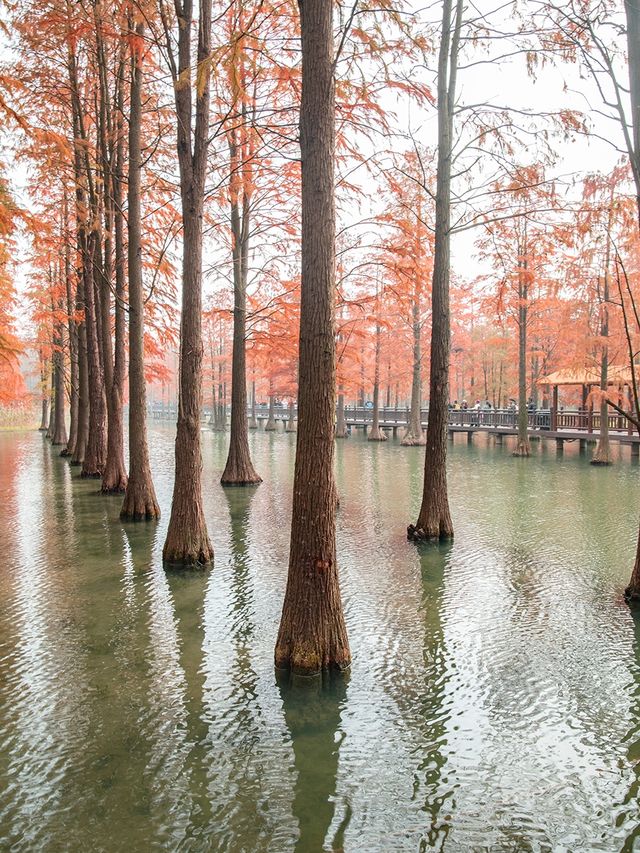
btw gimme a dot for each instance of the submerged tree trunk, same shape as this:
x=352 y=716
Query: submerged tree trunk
x=140 y=501
x=341 y=423
x=523 y=447
x=376 y=434
x=114 y=476
x=434 y=518
x=72 y=335
x=415 y=434
x=602 y=455
x=45 y=401
x=253 y=421
x=187 y=542
x=59 y=430
x=270 y=425
x=95 y=453
x=632 y=11
x=291 y=423
x=313 y=635
x=239 y=470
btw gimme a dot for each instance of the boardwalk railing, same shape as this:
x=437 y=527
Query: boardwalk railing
x=575 y=420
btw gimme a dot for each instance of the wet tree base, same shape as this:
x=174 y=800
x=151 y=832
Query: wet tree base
x=632 y=595
x=253 y=424
x=179 y=562
x=119 y=489
x=91 y=475
x=244 y=481
x=66 y=452
x=299 y=665
x=411 y=440
x=147 y=514
x=418 y=534
x=522 y=452
x=269 y=427
x=378 y=435
x=600 y=461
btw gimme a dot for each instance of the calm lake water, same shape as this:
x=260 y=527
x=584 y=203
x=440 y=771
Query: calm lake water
x=493 y=702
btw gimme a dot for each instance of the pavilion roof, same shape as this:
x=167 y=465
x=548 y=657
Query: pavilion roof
x=618 y=374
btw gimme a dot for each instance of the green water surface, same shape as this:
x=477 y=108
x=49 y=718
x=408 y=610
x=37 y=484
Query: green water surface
x=493 y=702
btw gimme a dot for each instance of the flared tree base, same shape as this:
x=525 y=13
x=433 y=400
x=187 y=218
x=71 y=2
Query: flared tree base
x=270 y=426
x=523 y=449
x=192 y=553
x=90 y=475
x=632 y=595
x=139 y=504
x=419 y=534
x=117 y=489
x=342 y=433
x=310 y=659
x=410 y=439
x=377 y=435
x=601 y=456
x=290 y=428
x=240 y=480
x=65 y=453
x=253 y=423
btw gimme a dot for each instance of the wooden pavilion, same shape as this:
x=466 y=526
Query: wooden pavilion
x=587 y=378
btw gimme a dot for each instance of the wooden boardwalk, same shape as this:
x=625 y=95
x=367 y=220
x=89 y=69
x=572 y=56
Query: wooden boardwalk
x=562 y=426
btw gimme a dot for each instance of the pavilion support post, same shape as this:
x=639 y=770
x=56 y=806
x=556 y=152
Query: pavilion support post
x=635 y=450
x=554 y=409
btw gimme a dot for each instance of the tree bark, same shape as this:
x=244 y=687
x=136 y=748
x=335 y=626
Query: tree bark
x=140 y=501
x=239 y=470
x=602 y=454
x=82 y=437
x=414 y=434
x=313 y=635
x=341 y=423
x=253 y=422
x=59 y=431
x=434 y=520
x=523 y=447
x=95 y=453
x=271 y=425
x=187 y=543
x=291 y=423
x=72 y=334
x=114 y=476
x=376 y=434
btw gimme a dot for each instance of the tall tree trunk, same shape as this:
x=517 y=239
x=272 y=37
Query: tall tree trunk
x=82 y=437
x=95 y=453
x=632 y=11
x=602 y=455
x=341 y=423
x=253 y=423
x=270 y=425
x=187 y=542
x=523 y=447
x=52 y=396
x=415 y=434
x=434 y=519
x=114 y=476
x=72 y=335
x=140 y=501
x=313 y=634
x=45 y=401
x=376 y=434
x=239 y=470
x=291 y=422
x=59 y=431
